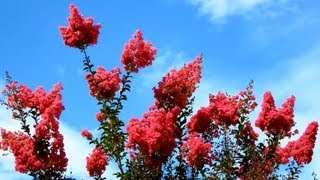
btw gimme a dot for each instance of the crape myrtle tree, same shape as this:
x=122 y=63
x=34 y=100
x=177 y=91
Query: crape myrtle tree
x=169 y=141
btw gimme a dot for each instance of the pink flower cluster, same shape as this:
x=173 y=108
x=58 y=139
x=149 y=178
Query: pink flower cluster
x=154 y=135
x=137 y=53
x=201 y=121
x=87 y=134
x=222 y=110
x=104 y=84
x=300 y=150
x=46 y=145
x=276 y=121
x=225 y=109
x=81 y=32
x=178 y=85
x=196 y=151
x=25 y=158
x=96 y=162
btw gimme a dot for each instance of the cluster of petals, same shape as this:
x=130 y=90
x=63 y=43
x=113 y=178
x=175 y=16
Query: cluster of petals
x=200 y=121
x=100 y=116
x=222 y=110
x=196 y=151
x=154 y=135
x=300 y=150
x=47 y=141
x=47 y=103
x=96 y=162
x=25 y=158
x=276 y=121
x=81 y=31
x=103 y=84
x=178 y=85
x=225 y=109
x=137 y=53
x=87 y=134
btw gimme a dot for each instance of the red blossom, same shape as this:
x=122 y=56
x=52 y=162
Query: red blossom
x=87 y=134
x=81 y=32
x=196 y=151
x=178 y=85
x=137 y=53
x=46 y=145
x=25 y=158
x=96 y=162
x=104 y=84
x=201 y=121
x=153 y=135
x=300 y=150
x=225 y=109
x=100 y=116
x=276 y=121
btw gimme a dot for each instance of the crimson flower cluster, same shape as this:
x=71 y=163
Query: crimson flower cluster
x=104 y=84
x=178 y=85
x=222 y=110
x=87 y=134
x=276 y=121
x=300 y=150
x=225 y=110
x=96 y=162
x=154 y=135
x=81 y=31
x=26 y=159
x=137 y=53
x=196 y=151
x=44 y=150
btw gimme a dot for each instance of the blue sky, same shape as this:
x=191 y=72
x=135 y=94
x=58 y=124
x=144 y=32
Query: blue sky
x=276 y=43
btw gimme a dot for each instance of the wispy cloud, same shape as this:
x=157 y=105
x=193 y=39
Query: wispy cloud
x=219 y=10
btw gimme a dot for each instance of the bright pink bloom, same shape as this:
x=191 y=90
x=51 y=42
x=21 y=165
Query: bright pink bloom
x=276 y=121
x=100 y=116
x=87 y=134
x=196 y=151
x=25 y=158
x=201 y=121
x=81 y=32
x=46 y=145
x=104 y=84
x=225 y=109
x=137 y=53
x=96 y=162
x=153 y=135
x=178 y=85
x=300 y=150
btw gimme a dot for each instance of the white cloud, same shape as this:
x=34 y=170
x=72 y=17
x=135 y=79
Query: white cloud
x=218 y=10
